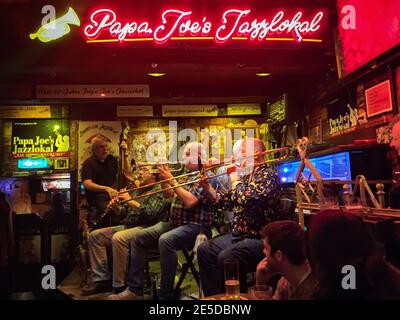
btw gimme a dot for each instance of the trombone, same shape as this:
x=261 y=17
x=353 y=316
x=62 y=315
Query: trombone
x=284 y=150
x=177 y=166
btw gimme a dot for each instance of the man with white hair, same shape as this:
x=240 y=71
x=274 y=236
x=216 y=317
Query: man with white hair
x=254 y=199
x=190 y=212
x=99 y=175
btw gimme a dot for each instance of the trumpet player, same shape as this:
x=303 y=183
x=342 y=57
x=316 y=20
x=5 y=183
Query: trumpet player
x=151 y=210
x=190 y=210
x=254 y=199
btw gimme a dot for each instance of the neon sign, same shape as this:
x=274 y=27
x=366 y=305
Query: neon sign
x=57 y=28
x=235 y=25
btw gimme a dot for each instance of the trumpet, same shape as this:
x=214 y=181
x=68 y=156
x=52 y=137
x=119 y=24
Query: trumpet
x=57 y=28
x=284 y=150
x=175 y=166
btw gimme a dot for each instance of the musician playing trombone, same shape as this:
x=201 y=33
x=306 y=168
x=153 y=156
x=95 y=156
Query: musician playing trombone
x=254 y=199
x=151 y=210
x=190 y=211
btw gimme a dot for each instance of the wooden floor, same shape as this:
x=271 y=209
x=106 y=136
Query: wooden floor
x=71 y=286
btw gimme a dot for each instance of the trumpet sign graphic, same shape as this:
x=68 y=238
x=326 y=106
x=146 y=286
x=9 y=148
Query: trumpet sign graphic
x=57 y=28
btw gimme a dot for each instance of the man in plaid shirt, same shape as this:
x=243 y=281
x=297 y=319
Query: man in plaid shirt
x=151 y=210
x=190 y=210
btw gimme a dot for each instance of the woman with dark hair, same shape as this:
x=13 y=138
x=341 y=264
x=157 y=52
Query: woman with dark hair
x=337 y=239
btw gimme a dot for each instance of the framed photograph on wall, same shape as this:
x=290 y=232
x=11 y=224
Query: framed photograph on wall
x=379 y=99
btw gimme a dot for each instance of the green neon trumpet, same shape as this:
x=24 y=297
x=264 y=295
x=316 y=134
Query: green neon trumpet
x=57 y=28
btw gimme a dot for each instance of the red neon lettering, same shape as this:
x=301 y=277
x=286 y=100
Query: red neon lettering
x=178 y=15
x=144 y=28
x=315 y=23
x=178 y=23
x=93 y=30
x=234 y=12
x=206 y=28
x=278 y=17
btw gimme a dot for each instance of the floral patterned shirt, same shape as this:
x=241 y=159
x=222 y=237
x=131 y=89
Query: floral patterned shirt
x=254 y=202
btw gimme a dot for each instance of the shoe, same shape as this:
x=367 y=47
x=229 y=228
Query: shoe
x=118 y=290
x=125 y=295
x=97 y=287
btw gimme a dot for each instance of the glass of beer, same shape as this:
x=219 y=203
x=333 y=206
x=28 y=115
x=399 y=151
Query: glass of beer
x=261 y=292
x=232 y=285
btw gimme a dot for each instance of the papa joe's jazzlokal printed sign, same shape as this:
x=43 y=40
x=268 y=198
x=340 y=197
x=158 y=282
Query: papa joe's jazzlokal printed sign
x=46 y=138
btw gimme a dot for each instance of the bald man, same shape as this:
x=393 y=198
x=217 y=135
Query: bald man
x=99 y=175
x=254 y=199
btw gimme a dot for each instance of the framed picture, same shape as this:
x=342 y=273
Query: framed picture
x=61 y=164
x=379 y=99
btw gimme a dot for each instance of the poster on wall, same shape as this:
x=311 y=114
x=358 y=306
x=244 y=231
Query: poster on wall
x=109 y=130
x=379 y=99
x=44 y=138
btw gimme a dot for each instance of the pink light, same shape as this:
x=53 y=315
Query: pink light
x=234 y=24
x=377 y=29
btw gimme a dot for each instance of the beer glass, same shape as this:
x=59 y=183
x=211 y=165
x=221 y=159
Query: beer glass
x=232 y=285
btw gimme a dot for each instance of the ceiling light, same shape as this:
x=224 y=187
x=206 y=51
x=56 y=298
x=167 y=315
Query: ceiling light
x=262 y=74
x=156 y=74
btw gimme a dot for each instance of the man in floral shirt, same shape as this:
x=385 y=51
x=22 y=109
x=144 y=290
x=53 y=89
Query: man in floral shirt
x=254 y=200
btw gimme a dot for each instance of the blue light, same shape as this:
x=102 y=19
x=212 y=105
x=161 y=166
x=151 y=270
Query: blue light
x=31 y=163
x=284 y=179
x=285 y=170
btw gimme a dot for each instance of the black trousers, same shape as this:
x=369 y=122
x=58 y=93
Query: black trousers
x=212 y=254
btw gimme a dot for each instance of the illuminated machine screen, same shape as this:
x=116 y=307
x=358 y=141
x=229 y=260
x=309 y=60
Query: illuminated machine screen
x=334 y=166
x=59 y=184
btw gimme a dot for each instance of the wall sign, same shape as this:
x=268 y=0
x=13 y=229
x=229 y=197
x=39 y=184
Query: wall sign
x=25 y=112
x=92 y=91
x=47 y=138
x=175 y=24
x=190 y=110
x=379 y=99
x=242 y=109
x=134 y=111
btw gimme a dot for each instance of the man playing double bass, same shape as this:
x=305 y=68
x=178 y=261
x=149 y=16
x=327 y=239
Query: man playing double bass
x=99 y=175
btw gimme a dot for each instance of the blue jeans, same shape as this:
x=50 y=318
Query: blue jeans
x=118 y=239
x=212 y=254
x=169 y=240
